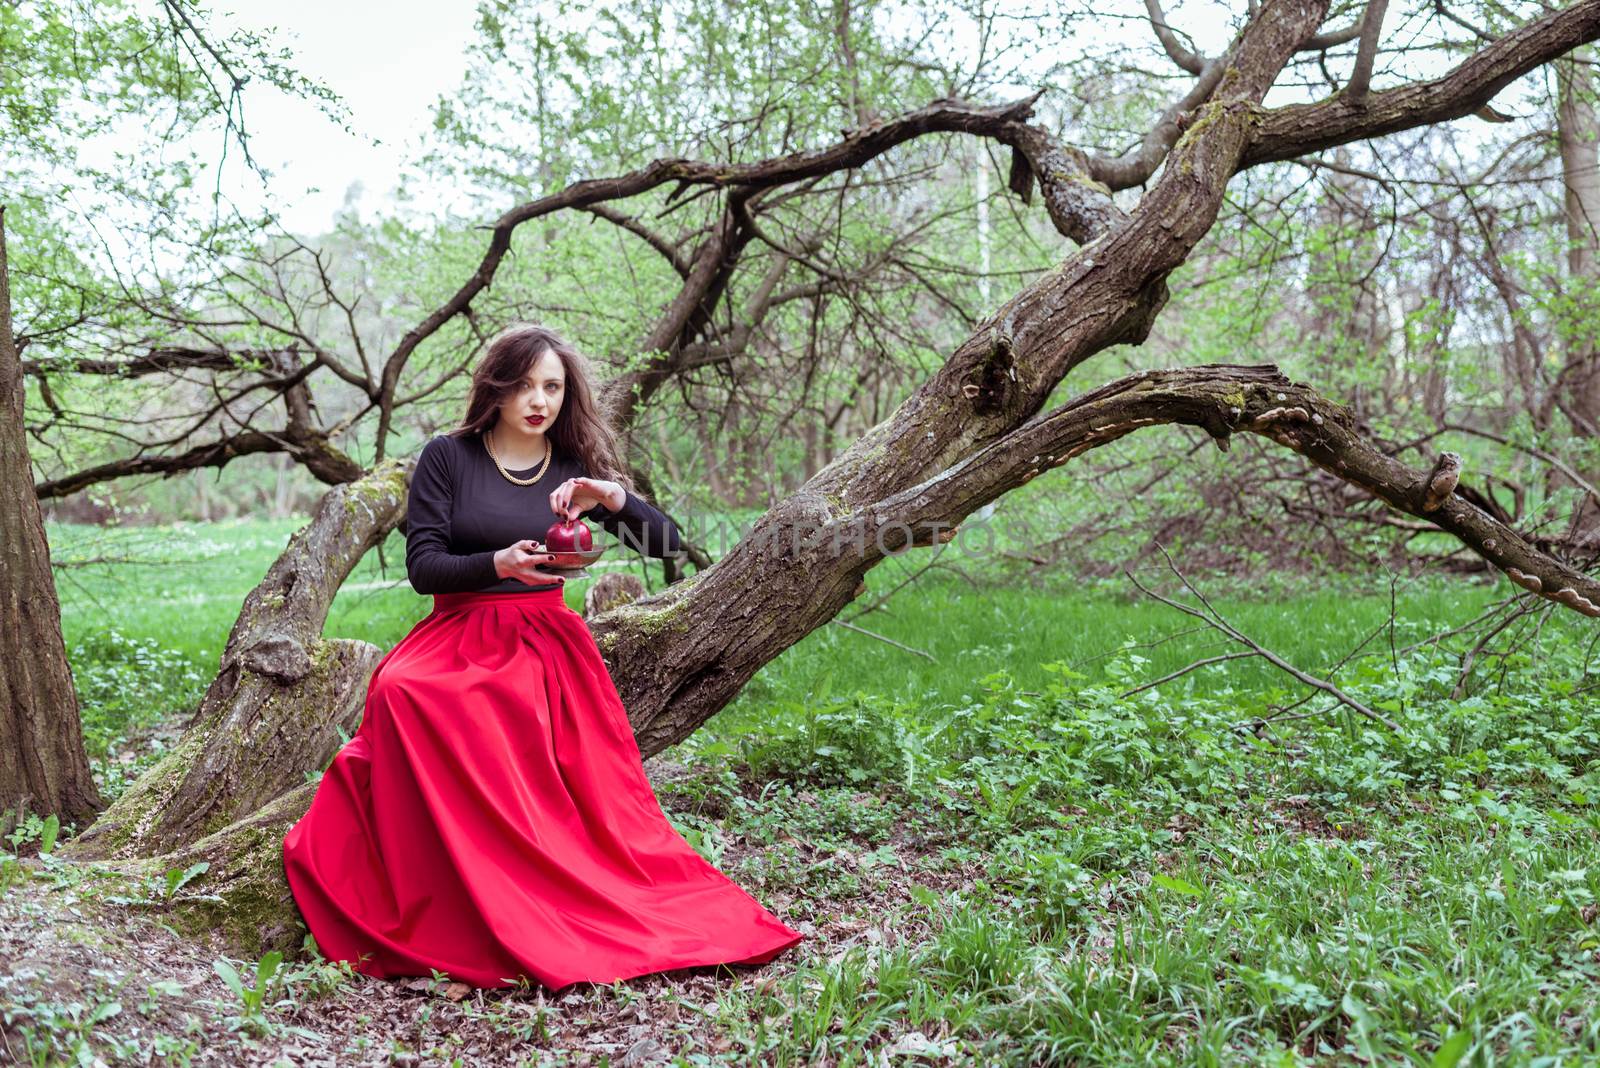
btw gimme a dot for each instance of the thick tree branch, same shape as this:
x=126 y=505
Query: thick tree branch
x=157 y=361
x=1287 y=132
x=282 y=692
x=856 y=148
x=669 y=249
x=314 y=450
x=1225 y=399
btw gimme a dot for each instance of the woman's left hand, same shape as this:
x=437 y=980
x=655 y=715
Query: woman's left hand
x=577 y=495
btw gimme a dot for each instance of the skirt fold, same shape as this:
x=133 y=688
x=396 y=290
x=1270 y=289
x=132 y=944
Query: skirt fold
x=491 y=819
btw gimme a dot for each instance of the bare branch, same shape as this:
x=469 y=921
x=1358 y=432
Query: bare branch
x=1287 y=132
x=1371 y=26
x=669 y=249
x=1189 y=60
x=1223 y=399
x=1214 y=618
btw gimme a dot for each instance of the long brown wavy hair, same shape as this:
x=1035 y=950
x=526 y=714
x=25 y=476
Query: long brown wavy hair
x=581 y=429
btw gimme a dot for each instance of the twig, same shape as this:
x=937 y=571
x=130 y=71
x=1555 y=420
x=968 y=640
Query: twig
x=1394 y=657
x=1470 y=657
x=881 y=638
x=1216 y=620
x=1138 y=645
x=1185 y=671
x=918 y=573
x=1282 y=715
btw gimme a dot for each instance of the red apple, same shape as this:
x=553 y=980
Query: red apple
x=568 y=536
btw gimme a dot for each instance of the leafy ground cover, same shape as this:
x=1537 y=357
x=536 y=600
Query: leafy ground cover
x=1005 y=851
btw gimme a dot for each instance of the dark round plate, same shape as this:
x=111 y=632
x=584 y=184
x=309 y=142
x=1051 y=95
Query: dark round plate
x=575 y=561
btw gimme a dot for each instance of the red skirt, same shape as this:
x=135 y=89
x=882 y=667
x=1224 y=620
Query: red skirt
x=491 y=819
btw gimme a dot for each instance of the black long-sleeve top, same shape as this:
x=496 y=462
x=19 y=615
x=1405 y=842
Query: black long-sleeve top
x=460 y=511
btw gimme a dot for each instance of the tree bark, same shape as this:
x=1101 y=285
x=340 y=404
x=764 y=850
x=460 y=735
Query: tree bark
x=243 y=895
x=682 y=654
x=43 y=765
x=1578 y=384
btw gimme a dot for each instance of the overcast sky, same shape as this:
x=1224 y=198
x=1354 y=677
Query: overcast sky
x=388 y=59
x=391 y=59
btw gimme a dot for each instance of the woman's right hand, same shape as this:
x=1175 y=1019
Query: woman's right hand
x=522 y=560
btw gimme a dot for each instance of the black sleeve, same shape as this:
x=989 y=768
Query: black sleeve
x=430 y=565
x=640 y=526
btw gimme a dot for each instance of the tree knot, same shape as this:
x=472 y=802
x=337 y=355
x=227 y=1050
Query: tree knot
x=995 y=375
x=278 y=657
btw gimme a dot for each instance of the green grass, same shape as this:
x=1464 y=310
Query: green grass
x=1058 y=874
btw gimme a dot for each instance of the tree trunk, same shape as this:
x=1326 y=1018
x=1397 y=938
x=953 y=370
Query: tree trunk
x=273 y=713
x=43 y=765
x=243 y=895
x=1578 y=131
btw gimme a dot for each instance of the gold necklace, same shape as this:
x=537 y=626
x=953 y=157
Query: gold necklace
x=488 y=443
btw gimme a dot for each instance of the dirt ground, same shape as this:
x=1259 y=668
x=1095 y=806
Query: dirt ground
x=87 y=981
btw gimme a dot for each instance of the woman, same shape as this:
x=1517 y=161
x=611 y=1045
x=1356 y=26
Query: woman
x=491 y=818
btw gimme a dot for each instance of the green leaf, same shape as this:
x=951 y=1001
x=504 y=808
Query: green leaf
x=1454 y=1048
x=176 y=879
x=267 y=968
x=1177 y=886
x=1369 y=1040
x=229 y=976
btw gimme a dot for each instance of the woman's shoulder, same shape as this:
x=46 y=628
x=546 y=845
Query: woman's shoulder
x=446 y=446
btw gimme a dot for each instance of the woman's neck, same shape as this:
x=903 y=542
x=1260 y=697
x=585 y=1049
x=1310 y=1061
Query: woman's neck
x=517 y=453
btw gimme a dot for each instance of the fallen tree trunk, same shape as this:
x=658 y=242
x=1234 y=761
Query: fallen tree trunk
x=681 y=655
x=282 y=695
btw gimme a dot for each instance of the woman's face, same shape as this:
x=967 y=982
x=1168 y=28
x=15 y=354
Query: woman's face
x=530 y=411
